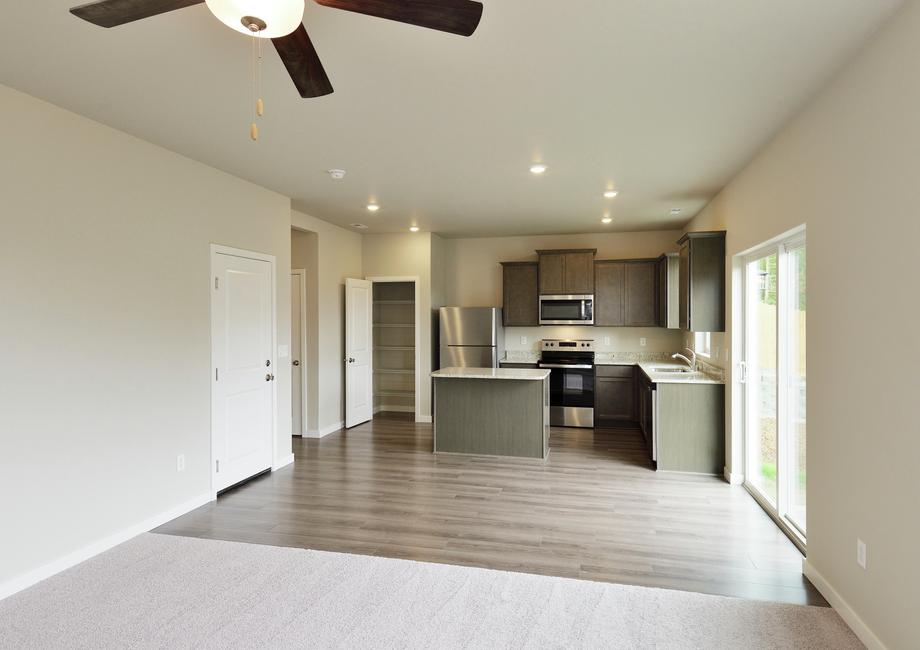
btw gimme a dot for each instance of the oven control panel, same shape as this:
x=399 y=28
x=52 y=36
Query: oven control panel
x=568 y=345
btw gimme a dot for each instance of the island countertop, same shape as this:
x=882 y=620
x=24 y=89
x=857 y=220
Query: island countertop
x=527 y=374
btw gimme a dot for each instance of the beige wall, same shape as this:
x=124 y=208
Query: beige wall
x=473 y=275
x=305 y=255
x=337 y=257
x=848 y=167
x=408 y=254
x=105 y=327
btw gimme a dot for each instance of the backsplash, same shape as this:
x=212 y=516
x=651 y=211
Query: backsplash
x=616 y=340
x=532 y=356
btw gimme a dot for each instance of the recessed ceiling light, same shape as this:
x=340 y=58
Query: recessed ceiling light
x=359 y=226
x=372 y=207
x=610 y=194
x=538 y=169
x=336 y=174
x=675 y=211
x=606 y=220
x=414 y=228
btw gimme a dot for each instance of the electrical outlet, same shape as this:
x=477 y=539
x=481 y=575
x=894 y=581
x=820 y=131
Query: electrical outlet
x=607 y=341
x=643 y=341
x=860 y=553
x=523 y=340
x=180 y=463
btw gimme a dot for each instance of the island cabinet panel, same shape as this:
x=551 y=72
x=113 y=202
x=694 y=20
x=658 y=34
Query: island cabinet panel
x=567 y=272
x=702 y=281
x=615 y=395
x=492 y=417
x=641 y=295
x=520 y=294
x=609 y=294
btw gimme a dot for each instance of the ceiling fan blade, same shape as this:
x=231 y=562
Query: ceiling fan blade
x=454 y=16
x=111 y=13
x=303 y=64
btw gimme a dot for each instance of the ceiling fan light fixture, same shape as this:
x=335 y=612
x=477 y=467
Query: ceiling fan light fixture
x=262 y=18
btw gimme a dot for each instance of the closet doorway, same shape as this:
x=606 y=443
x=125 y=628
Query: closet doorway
x=396 y=345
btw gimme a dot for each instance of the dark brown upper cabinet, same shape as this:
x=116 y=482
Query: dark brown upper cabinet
x=567 y=272
x=520 y=294
x=641 y=293
x=669 y=290
x=609 y=294
x=625 y=293
x=702 y=281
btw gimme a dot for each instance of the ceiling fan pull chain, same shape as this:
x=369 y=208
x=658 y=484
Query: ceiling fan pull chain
x=260 y=105
x=253 y=127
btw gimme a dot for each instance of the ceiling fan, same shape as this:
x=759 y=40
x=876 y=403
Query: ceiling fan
x=282 y=22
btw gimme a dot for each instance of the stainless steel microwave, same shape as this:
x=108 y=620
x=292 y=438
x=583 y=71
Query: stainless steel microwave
x=567 y=310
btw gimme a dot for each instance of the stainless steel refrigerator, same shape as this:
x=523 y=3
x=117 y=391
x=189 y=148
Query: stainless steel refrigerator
x=471 y=337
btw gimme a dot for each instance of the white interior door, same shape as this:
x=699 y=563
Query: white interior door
x=298 y=366
x=242 y=415
x=359 y=367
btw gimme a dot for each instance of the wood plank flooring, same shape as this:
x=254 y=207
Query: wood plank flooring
x=595 y=510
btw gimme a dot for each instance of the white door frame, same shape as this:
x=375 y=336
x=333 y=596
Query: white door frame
x=253 y=255
x=418 y=323
x=778 y=245
x=303 y=349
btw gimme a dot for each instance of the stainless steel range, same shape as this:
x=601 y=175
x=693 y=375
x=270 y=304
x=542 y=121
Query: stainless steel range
x=571 y=381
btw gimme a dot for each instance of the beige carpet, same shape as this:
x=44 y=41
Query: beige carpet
x=159 y=591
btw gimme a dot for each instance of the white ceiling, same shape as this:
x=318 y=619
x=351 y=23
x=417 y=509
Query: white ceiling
x=666 y=99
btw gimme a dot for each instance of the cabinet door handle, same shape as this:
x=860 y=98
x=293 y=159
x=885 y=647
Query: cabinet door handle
x=743 y=367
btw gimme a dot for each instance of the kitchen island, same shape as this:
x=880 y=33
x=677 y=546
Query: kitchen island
x=492 y=411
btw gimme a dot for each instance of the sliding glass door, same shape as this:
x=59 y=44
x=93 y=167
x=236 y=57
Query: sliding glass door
x=773 y=375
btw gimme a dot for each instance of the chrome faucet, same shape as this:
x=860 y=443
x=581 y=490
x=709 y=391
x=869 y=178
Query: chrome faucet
x=690 y=362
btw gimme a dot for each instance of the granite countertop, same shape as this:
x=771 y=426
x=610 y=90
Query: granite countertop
x=647 y=362
x=527 y=374
x=674 y=377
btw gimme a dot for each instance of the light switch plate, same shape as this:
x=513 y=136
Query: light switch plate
x=282 y=351
x=607 y=341
x=643 y=341
x=523 y=340
x=860 y=553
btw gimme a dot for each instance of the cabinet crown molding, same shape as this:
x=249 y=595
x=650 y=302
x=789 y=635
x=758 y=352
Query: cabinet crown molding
x=593 y=251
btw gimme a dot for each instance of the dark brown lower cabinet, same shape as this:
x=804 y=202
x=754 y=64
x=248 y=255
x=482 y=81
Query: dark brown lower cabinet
x=615 y=395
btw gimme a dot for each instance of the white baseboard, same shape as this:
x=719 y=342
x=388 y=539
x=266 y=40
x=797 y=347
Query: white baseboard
x=322 y=433
x=423 y=418
x=284 y=462
x=733 y=478
x=26 y=580
x=847 y=613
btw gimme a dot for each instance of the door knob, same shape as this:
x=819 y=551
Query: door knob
x=350 y=360
x=268 y=377
x=296 y=362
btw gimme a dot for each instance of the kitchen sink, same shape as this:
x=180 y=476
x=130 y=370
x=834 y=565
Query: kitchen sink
x=677 y=370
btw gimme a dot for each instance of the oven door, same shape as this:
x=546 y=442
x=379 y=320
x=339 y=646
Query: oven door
x=571 y=395
x=566 y=310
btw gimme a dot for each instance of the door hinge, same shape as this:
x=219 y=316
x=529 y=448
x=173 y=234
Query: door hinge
x=217 y=467
x=216 y=283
